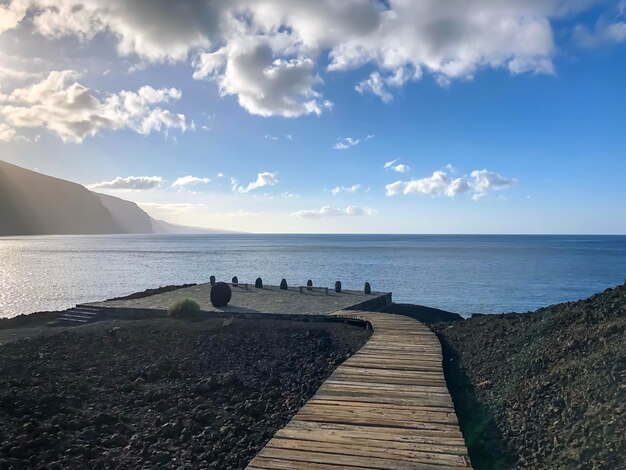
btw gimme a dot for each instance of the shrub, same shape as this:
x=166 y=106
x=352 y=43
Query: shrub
x=283 y=284
x=258 y=283
x=221 y=294
x=183 y=308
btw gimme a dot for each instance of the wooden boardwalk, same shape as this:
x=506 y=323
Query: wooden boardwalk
x=387 y=407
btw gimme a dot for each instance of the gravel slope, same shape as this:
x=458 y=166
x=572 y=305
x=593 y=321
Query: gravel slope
x=542 y=390
x=161 y=393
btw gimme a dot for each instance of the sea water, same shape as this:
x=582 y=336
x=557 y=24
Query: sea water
x=459 y=273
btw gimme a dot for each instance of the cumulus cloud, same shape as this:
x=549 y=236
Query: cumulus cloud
x=264 y=84
x=345 y=189
x=267 y=52
x=73 y=111
x=478 y=184
x=130 y=182
x=263 y=179
x=7 y=133
x=189 y=181
x=328 y=211
x=397 y=167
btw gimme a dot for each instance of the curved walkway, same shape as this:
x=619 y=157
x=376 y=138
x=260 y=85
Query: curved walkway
x=386 y=407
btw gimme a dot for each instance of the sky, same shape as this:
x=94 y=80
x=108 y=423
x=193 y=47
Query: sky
x=325 y=116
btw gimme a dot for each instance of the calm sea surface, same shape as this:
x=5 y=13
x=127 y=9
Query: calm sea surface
x=465 y=274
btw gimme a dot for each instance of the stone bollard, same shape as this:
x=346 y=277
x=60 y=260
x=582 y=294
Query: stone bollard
x=258 y=283
x=338 y=286
x=235 y=281
x=283 y=284
x=309 y=285
x=220 y=294
x=212 y=280
x=368 y=288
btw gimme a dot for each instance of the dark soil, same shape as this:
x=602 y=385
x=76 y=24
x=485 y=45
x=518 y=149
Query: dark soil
x=161 y=393
x=422 y=313
x=149 y=292
x=542 y=390
x=28 y=319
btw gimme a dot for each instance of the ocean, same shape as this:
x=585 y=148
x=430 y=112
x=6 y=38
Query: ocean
x=459 y=273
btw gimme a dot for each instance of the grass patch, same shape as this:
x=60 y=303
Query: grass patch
x=184 y=308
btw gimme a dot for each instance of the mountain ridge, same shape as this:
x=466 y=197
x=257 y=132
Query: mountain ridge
x=33 y=203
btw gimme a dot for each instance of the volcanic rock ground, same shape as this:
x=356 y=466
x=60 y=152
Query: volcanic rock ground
x=161 y=393
x=542 y=390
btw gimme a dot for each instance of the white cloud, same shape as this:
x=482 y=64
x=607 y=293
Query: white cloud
x=7 y=73
x=7 y=133
x=130 y=182
x=264 y=84
x=343 y=189
x=382 y=86
x=479 y=184
x=189 y=181
x=266 y=52
x=73 y=111
x=603 y=33
x=397 y=167
x=610 y=28
x=263 y=179
x=400 y=168
x=345 y=143
x=483 y=181
x=328 y=211
x=270 y=137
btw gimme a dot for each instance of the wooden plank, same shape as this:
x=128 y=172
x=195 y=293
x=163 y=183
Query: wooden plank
x=374 y=432
x=307 y=458
x=386 y=407
x=380 y=406
x=413 y=413
x=266 y=463
x=357 y=450
x=372 y=440
x=349 y=384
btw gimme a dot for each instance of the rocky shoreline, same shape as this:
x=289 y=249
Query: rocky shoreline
x=161 y=393
x=542 y=390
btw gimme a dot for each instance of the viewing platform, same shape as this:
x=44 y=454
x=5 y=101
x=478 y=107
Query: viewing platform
x=269 y=299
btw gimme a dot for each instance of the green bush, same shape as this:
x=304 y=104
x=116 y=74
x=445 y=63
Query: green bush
x=184 y=308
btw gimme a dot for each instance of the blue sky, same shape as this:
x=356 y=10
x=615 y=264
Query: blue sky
x=454 y=117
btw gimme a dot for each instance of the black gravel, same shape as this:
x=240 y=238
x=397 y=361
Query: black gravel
x=161 y=393
x=542 y=390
